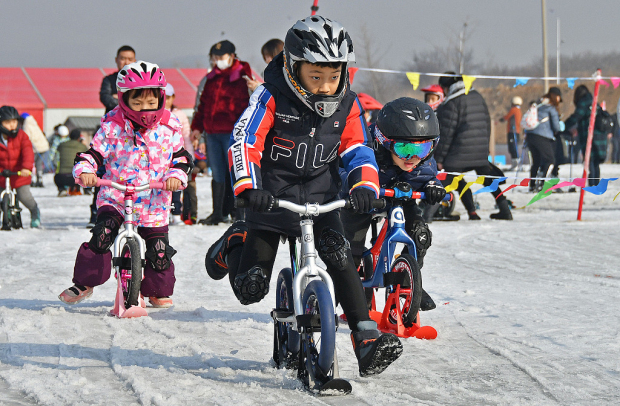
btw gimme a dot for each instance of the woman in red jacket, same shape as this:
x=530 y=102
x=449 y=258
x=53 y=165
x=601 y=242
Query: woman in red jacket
x=16 y=155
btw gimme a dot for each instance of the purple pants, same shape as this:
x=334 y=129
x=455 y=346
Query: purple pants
x=93 y=269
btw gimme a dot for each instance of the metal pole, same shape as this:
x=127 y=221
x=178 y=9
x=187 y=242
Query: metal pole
x=461 y=50
x=558 y=53
x=544 y=40
x=586 y=158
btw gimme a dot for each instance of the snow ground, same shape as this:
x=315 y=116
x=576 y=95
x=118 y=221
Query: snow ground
x=527 y=314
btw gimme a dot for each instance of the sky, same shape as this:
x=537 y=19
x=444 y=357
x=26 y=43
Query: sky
x=86 y=33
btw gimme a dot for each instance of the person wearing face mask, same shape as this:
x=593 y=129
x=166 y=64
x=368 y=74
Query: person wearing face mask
x=223 y=99
x=16 y=155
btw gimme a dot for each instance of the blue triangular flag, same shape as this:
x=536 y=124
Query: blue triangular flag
x=491 y=188
x=521 y=81
x=571 y=82
x=601 y=187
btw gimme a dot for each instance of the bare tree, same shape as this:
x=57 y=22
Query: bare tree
x=370 y=56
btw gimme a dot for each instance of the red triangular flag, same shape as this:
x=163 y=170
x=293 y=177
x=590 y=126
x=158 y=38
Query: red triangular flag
x=352 y=72
x=442 y=175
x=524 y=182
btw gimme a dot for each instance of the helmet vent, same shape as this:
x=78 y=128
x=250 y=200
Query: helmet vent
x=143 y=66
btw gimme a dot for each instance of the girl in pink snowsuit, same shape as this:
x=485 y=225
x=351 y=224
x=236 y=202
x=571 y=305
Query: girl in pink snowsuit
x=138 y=142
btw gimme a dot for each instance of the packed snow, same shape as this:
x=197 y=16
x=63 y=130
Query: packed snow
x=527 y=314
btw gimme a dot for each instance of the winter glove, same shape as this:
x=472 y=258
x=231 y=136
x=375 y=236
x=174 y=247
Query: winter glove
x=258 y=200
x=434 y=193
x=361 y=199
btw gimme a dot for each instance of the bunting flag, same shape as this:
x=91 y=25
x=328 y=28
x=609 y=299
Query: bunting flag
x=478 y=181
x=524 y=182
x=615 y=81
x=492 y=187
x=521 y=82
x=352 y=72
x=544 y=191
x=468 y=80
x=579 y=182
x=616 y=196
x=414 y=79
x=571 y=82
x=455 y=183
x=442 y=175
x=600 y=188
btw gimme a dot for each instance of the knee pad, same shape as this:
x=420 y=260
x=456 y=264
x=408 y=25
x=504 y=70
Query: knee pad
x=333 y=249
x=159 y=253
x=422 y=237
x=104 y=233
x=252 y=286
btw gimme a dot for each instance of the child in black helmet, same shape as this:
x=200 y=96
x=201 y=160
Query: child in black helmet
x=286 y=145
x=405 y=136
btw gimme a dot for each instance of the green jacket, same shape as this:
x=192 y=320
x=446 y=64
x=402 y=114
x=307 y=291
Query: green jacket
x=581 y=118
x=67 y=151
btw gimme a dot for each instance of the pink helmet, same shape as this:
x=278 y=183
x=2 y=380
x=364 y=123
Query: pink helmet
x=141 y=75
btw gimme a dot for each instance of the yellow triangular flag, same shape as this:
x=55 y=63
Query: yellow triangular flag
x=479 y=181
x=616 y=196
x=414 y=78
x=455 y=183
x=468 y=80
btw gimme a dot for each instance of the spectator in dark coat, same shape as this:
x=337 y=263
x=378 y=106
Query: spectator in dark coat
x=107 y=95
x=581 y=120
x=465 y=127
x=67 y=152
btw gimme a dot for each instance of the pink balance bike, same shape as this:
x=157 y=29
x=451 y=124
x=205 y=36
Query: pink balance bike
x=128 y=255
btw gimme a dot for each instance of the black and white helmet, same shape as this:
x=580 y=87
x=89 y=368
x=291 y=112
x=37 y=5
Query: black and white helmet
x=317 y=39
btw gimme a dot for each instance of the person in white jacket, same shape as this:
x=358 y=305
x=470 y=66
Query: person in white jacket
x=40 y=145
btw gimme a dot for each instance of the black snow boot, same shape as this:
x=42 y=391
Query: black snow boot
x=216 y=217
x=216 y=258
x=427 y=302
x=374 y=351
x=504 y=211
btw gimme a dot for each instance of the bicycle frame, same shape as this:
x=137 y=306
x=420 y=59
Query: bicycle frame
x=308 y=269
x=7 y=189
x=384 y=247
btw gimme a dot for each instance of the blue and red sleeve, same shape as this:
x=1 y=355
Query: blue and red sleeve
x=357 y=157
x=247 y=141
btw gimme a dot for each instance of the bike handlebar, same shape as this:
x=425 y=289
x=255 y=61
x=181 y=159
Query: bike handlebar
x=310 y=209
x=395 y=193
x=118 y=186
x=5 y=173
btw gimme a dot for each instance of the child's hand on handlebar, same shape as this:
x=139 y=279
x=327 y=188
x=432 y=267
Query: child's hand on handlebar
x=88 y=179
x=25 y=173
x=172 y=184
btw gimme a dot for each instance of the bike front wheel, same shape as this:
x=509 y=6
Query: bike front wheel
x=131 y=272
x=410 y=290
x=6 y=212
x=319 y=339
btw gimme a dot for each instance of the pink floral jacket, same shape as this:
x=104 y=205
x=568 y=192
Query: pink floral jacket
x=137 y=157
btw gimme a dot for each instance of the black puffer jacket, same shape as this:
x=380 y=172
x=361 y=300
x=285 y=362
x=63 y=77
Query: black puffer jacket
x=465 y=128
x=108 y=88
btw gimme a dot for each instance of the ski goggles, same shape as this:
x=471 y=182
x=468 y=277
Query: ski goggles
x=408 y=150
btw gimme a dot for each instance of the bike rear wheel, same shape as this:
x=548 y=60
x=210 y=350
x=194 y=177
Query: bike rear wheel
x=410 y=290
x=285 y=338
x=318 y=341
x=6 y=212
x=132 y=266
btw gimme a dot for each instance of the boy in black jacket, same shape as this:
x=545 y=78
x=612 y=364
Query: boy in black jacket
x=286 y=145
